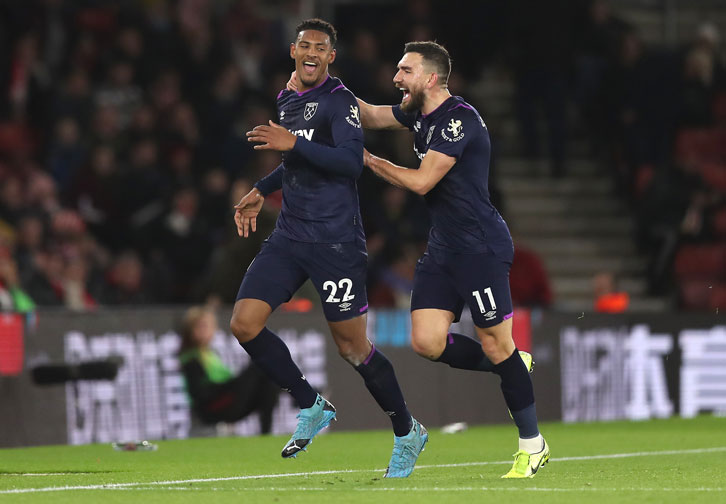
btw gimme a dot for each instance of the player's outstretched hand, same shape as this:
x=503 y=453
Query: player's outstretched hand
x=245 y=212
x=271 y=137
x=292 y=83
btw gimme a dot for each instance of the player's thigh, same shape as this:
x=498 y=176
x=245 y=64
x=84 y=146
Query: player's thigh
x=274 y=275
x=435 y=304
x=339 y=272
x=429 y=330
x=433 y=287
x=482 y=281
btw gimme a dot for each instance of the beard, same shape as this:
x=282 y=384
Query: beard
x=415 y=101
x=308 y=80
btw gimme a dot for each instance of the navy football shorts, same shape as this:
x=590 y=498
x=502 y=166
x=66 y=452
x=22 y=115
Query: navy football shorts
x=447 y=281
x=338 y=271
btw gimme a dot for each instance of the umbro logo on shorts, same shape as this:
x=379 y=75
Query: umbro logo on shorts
x=490 y=315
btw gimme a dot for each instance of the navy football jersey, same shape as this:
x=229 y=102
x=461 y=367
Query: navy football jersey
x=462 y=215
x=319 y=206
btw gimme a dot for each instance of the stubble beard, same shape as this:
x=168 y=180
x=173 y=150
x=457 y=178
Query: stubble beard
x=415 y=101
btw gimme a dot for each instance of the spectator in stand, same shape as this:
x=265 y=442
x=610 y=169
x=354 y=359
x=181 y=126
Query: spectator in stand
x=607 y=298
x=12 y=296
x=30 y=242
x=217 y=394
x=395 y=279
x=697 y=89
x=74 y=98
x=528 y=279
x=11 y=199
x=181 y=234
x=98 y=199
x=125 y=283
x=120 y=91
x=67 y=153
x=230 y=260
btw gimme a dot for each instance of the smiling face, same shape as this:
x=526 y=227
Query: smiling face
x=412 y=78
x=312 y=53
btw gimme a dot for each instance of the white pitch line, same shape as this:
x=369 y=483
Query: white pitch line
x=115 y=486
x=427 y=489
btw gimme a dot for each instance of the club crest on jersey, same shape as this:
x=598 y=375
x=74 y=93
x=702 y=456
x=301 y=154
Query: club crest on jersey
x=456 y=130
x=353 y=119
x=310 y=109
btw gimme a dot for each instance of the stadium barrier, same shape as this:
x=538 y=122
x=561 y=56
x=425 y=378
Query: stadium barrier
x=588 y=367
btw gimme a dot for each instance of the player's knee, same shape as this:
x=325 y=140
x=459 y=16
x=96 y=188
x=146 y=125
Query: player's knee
x=244 y=329
x=349 y=354
x=496 y=346
x=489 y=344
x=427 y=344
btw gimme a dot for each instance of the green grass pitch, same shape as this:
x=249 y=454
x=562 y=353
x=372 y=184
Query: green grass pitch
x=657 y=461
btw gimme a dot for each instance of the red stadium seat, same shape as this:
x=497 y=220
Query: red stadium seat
x=701 y=261
x=699 y=145
x=643 y=177
x=695 y=294
x=717 y=299
x=719 y=108
x=714 y=174
x=15 y=138
x=718 y=226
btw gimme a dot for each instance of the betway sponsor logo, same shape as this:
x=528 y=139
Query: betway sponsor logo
x=307 y=134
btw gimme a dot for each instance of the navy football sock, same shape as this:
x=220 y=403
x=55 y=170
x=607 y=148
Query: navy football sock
x=518 y=394
x=381 y=382
x=463 y=352
x=271 y=354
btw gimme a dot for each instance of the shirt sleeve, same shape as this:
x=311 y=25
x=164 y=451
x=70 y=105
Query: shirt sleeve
x=272 y=182
x=402 y=117
x=345 y=157
x=452 y=133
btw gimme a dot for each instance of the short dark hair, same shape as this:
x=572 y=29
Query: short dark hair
x=320 y=25
x=434 y=54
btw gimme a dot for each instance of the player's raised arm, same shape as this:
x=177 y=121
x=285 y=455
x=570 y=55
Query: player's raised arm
x=378 y=116
x=371 y=116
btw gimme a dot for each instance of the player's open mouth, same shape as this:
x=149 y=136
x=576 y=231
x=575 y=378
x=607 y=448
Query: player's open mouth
x=406 y=94
x=310 y=67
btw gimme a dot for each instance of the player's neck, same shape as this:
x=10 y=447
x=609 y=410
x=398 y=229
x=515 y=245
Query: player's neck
x=434 y=98
x=303 y=88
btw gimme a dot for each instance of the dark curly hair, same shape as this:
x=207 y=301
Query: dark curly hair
x=318 y=25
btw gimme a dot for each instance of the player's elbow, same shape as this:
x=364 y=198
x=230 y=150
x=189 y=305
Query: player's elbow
x=421 y=187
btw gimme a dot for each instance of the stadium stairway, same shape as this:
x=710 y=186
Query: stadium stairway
x=578 y=227
x=576 y=223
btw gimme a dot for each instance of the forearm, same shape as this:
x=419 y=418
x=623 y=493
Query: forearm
x=377 y=116
x=394 y=174
x=345 y=159
x=272 y=182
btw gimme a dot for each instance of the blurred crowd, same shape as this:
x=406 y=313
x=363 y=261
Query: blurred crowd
x=122 y=146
